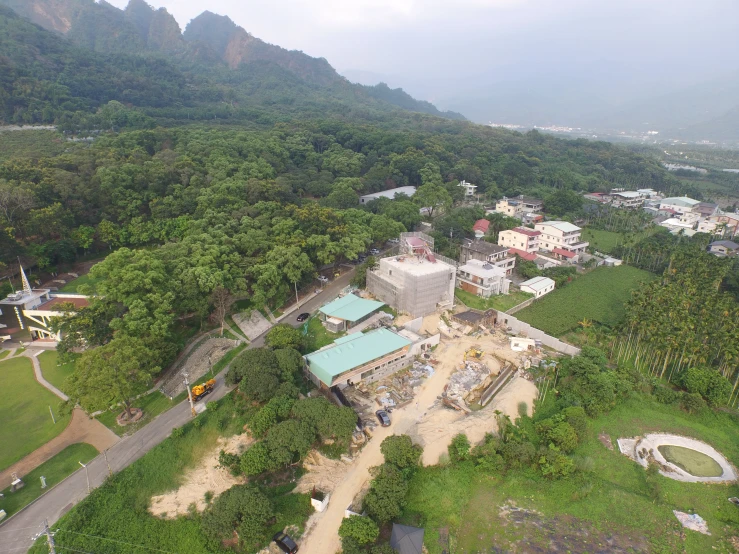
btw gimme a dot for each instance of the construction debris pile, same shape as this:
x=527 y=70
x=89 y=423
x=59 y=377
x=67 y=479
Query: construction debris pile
x=468 y=381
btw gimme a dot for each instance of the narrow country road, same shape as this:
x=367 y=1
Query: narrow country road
x=16 y=534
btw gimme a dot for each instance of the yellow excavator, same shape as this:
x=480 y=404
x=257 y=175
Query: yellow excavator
x=473 y=353
x=199 y=391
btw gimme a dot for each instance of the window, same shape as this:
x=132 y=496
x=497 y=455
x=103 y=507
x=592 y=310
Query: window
x=367 y=374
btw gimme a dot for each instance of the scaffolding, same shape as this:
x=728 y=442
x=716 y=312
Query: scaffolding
x=416 y=281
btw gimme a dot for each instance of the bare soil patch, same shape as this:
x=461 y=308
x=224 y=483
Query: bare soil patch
x=206 y=476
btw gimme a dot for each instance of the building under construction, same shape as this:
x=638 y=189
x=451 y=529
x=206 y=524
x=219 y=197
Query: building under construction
x=416 y=281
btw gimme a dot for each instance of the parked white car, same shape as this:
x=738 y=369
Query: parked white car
x=323 y=278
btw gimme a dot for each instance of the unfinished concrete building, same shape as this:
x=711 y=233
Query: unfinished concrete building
x=416 y=281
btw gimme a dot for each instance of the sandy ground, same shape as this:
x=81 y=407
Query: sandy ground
x=416 y=419
x=201 y=479
x=323 y=473
x=80 y=429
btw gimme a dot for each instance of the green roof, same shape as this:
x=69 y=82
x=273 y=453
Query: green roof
x=351 y=307
x=353 y=351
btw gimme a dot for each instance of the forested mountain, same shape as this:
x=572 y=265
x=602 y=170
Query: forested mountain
x=139 y=49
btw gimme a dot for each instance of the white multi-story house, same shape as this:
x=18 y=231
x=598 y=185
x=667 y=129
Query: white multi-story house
x=518 y=206
x=627 y=199
x=469 y=188
x=482 y=279
x=560 y=234
x=487 y=252
x=520 y=238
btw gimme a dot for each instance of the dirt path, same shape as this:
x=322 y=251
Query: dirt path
x=430 y=425
x=80 y=429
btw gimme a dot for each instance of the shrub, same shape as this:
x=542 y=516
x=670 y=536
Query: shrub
x=400 y=451
x=518 y=454
x=229 y=461
x=386 y=497
x=575 y=416
x=243 y=508
x=692 y=402
x=709 y=383
x=559 y=433
x=459 y=448
x=362 y=529
x=665 y=395
x=555 y=465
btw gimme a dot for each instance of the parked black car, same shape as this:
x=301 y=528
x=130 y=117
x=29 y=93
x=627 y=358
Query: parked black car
x=383 y=417
x=303 y=316
x=285 y=543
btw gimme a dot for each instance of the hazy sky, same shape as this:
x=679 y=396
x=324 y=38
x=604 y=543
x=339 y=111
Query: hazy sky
x=431 y=47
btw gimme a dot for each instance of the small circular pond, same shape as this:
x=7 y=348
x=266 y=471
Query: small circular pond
x=693 y=462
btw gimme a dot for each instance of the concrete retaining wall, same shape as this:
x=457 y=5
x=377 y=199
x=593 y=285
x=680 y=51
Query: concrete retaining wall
x=522 y=305
x=518 y=326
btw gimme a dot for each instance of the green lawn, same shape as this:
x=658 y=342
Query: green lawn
x=83 y=280
x=602 y=241
x=599 y=296
x=152 y=404
x=24 y=412
x=52 y=371
x=608 y=496
x=55 y=470
x=317 y=336
x=501 y=303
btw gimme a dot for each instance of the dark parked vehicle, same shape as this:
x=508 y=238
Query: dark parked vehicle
x=285 y=543
x=383 y=417
x=374 y=251
x=303 y=316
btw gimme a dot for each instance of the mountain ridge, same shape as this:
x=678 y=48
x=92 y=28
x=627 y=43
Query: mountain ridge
x=209 y=42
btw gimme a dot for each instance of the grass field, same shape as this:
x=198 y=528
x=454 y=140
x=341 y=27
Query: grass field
x=317 y=336
x=602 y=241
x=24 y=412
x=118 y=510
x=599 y=296
x=55 y=470
x=83 y=280
x=609 y=498
x=501 y=303
x=54 y=373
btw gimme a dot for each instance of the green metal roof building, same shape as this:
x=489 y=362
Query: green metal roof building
x=359 y=357
x=347 y=311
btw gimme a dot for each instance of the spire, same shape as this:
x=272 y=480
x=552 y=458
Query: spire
x=24 y=279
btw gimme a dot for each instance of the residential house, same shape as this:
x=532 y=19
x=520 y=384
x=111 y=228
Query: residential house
x=487 y=252
x=482 y=279
x=518 y=206
x=347 y=311
x=560 y=234
x=481 y=227
x=521 y=238
x=391 y=194
x=529 y=257
x=538 y=286
x=706 y=209
x=417 y=281
x=565 y=255
x=600 y=197
x=724 y=248
x=626 y=199
x=469 y=188
x=365 y=357
x=676 y=225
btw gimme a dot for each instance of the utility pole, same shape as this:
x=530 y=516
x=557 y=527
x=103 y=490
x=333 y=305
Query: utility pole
x=189 y=396
x=49 y=538
x=87 y=473
x=297 y=300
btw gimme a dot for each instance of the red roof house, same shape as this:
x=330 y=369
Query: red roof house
x=522 y=254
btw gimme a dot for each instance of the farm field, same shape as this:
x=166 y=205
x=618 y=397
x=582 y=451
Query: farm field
x=599 y=296
x=501 y=303
x=602 y=241
x=31 y=143
x=55 y=470
x=609 y=500
x=26 y=422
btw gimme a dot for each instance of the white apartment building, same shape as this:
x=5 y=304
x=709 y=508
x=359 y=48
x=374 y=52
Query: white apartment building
x=560 y=234
x=469 y=188
x=627 y=199
x=518 y=206
x=489 y=253
x=482 y=279
x=521 y=238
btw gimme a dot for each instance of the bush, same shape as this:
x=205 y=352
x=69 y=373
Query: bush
x=518 y=454
x=242 y=508
x=361 y=529
x=709 y=383
x=559 y=433
x=400 y=451
x=386 y=497
x=665 y=395
x=555 y=465
x=459 y=448
x=229 y=461
x=692 y=402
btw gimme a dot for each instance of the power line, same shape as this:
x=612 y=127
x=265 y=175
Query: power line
x=115 y=540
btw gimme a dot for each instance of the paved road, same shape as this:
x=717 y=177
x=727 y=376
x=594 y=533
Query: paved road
x=16 y=534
